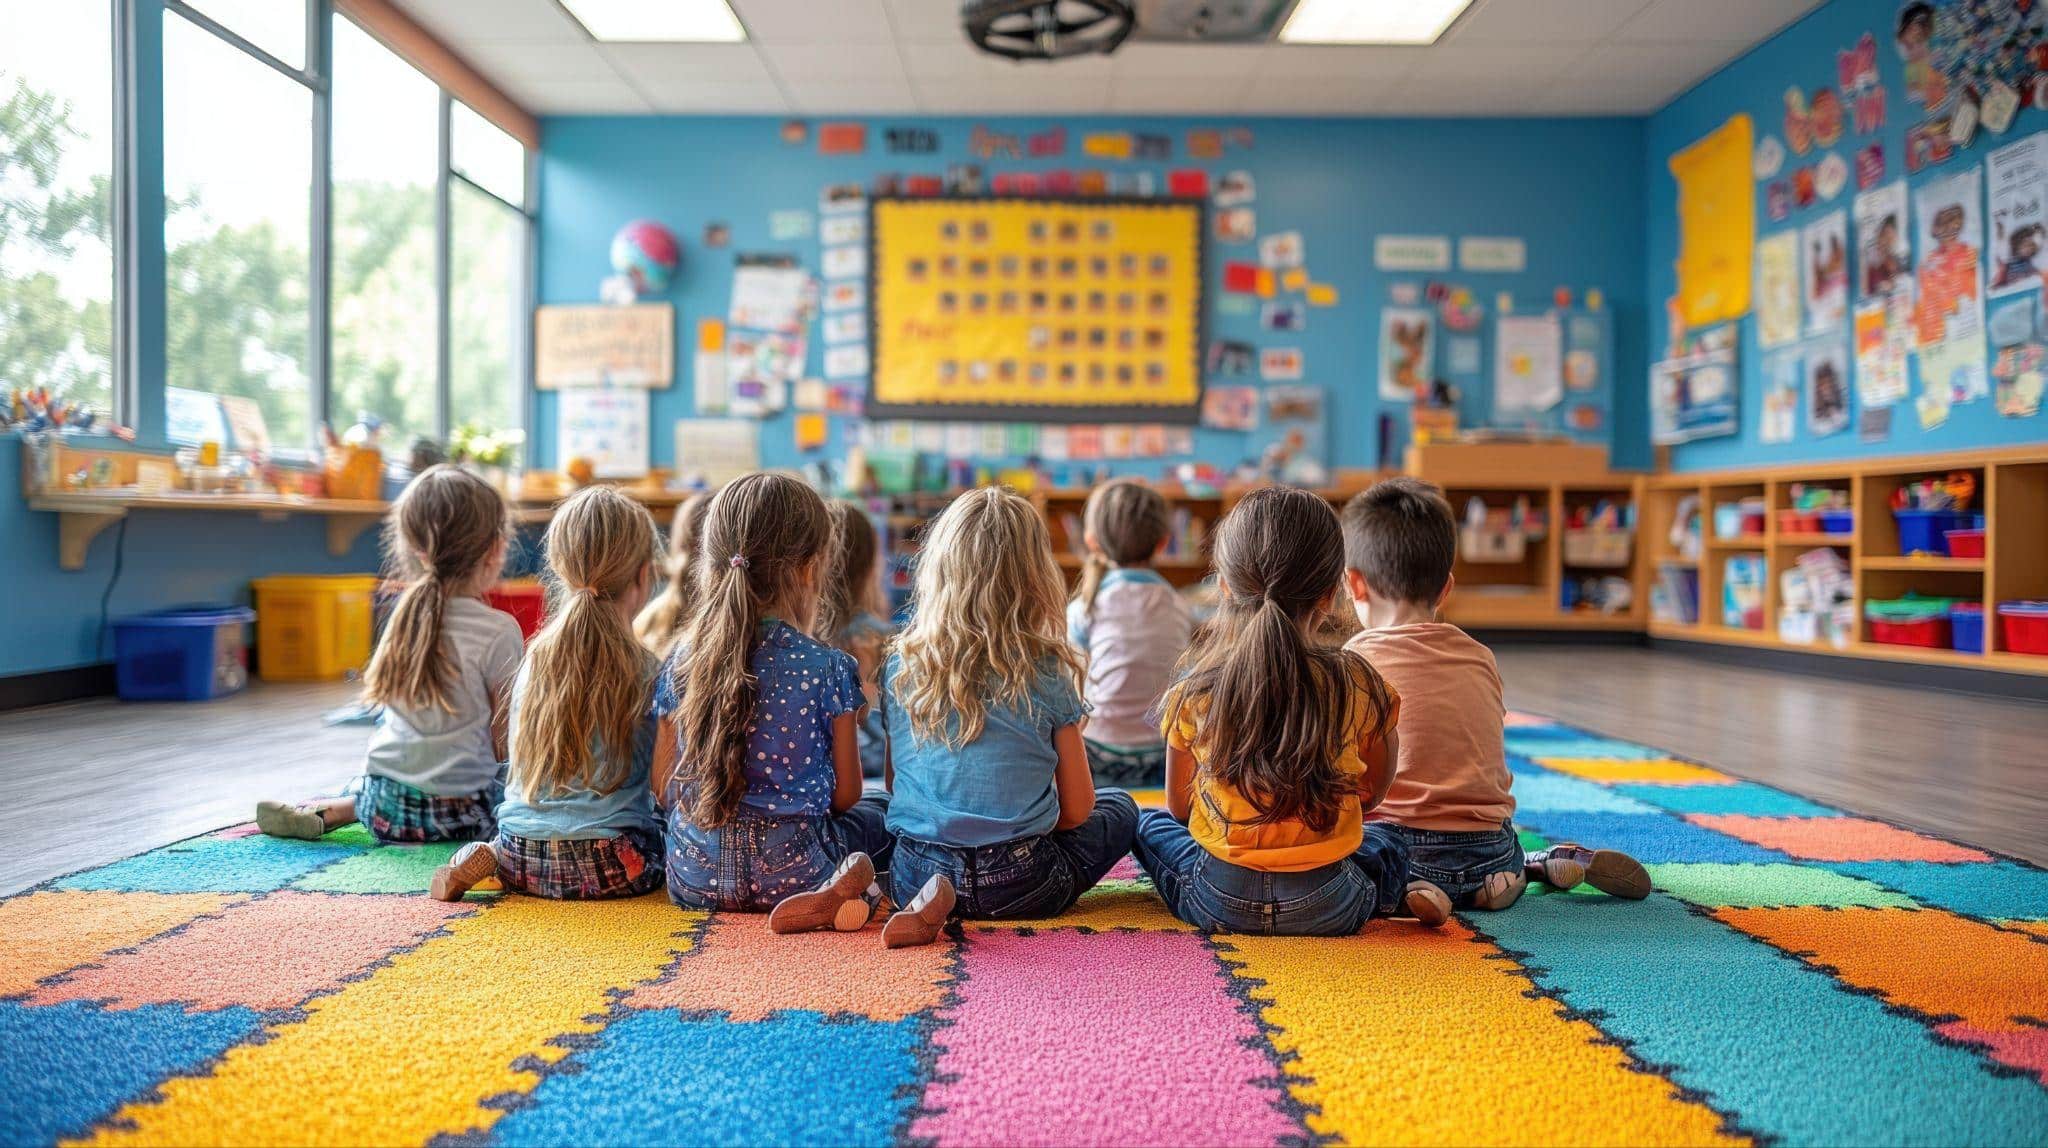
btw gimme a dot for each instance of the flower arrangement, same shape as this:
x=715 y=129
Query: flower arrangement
x=474 y=443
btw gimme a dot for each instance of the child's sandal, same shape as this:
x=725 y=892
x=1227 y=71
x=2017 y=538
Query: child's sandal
x=283 y=819
x=472 y=864
x=1427 y=904
x=841 y=903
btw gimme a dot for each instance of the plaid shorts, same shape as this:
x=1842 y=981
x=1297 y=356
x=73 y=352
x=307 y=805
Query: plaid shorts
x=588 y=870
x=398 y=814
x=1126 y=767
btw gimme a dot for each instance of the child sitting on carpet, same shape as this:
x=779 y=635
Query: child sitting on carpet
x=759 y=766
x=1450 y=798
x=1276 y=745
x=439 y=673
x=665 y=617
x=578 y=820
x=853 y=617
x=994 y=811
x=1131 y=626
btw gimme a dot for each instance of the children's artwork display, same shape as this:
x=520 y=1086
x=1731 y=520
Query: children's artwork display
x=1783 y=379
x=1036 y=310
x=2017 y=181
x=1948 y=319
x=1884 y=256
x=1694 y=398
x=1778 y=314
x=2019 y=358
x=1230 y=407
x=1291 y=442
x=1407 y=352
x=1827 y=388
x=1881 y=334
x=608 y=426
x=1824 y=271
x=1528 y=372
x=1716 y=223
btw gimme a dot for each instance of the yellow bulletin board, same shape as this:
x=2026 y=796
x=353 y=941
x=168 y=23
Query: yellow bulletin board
x=1045 y=310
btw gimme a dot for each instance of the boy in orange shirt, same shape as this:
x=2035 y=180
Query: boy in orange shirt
x=1450 y=795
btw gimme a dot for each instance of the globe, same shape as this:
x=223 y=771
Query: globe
x=648 y=254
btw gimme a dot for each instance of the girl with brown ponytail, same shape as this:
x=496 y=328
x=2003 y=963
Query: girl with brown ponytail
x=758 y=764
x=578 y=822
x=440 y=674
x=665 y=616
x=1276 y=746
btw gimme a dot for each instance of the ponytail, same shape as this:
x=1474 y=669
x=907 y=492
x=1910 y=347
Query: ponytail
x=1125 y=522
x=663 y=618
x=439 y=539
x=760 y=534
x=587 y=682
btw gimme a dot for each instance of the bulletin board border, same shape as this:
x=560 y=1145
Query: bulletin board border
x=1189 y=415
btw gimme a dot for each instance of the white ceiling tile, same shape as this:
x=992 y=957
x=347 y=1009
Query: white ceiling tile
x=851 y=97
x=1750 y=20
x=1282 y=95
x=579 y=97
x=456 y=22
x=815 y=21
x=652 y=66
x=932 y=21
x=1019 y=95
x=1526 y=21
x=1330 y=61
x=1186 y=96
x=833 y=61
x=963 y=61
x=516 y=62
x=709 y=97
x=1140 y=60
x=1465 y=63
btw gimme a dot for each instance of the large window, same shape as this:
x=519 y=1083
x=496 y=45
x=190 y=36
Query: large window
x=487 y=308
x=238 y=187
x=56 y=199
x=386 y=163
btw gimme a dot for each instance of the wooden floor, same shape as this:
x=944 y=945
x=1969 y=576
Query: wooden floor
x=96 y=781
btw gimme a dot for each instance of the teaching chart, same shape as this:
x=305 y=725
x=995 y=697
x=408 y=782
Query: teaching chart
x=1028 y=309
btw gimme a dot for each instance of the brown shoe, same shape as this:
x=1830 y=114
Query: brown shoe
x=1560 y=866
x=1499 y=891
x=283 y=819
x=471 y=864
x=840 y=904
x=1427 y=904
x=1609 y=870
x=920 y=921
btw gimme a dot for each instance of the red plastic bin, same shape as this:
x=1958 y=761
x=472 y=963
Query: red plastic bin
x=1932 y=633
x=1965 y=543
x=2025 y=626
x=525 y=600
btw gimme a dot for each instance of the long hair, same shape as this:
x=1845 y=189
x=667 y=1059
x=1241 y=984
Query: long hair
x=988 y=618
x=1274 y=710
x=438 y=538
x=1128 y=521
x=586 y=684
x=763 y=531
x=663 y=618
x=851 y=588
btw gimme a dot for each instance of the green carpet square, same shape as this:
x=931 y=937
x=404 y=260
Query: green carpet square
x=1717 y=885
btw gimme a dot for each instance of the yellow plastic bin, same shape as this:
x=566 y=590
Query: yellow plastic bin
x=313 y=627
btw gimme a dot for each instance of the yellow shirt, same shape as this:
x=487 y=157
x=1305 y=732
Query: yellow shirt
x=1221 y=818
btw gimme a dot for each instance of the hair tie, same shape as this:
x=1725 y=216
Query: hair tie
x=739 y=562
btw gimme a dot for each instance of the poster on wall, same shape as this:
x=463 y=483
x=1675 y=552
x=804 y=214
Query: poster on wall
x=1527 y=369
x=1407 y=352
x=1824 y=271
x=1693 y=398
x=1716 y=224
x=1291 y=442
x=2018 y=359
x=1880 y=336
x=1778 y=315
x=1884 y=256
x=2017 y=181
x=1784 y=375
x=607 y=426
x=1948 y=321
x=1827 y=388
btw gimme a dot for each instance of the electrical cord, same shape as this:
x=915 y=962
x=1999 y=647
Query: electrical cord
x=107 y=595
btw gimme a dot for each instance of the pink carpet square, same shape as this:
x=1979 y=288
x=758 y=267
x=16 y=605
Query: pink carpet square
x=1836 y=838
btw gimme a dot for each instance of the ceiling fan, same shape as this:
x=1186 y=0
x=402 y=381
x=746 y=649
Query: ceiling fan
x=1061 y=29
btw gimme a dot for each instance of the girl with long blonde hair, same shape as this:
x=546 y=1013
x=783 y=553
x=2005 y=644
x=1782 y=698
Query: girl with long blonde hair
x=757 y=763
x=578 y=820
x=440 y=675
x=994 y=811
x=665 y=616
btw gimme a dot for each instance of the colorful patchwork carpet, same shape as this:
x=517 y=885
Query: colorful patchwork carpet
x=1802 y=976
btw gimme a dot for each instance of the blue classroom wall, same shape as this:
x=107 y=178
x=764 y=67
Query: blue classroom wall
x=1569 y=188
x=1804 y=56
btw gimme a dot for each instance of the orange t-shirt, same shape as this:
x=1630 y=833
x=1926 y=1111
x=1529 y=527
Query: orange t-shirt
x=1220 y=818
x=1453 y=772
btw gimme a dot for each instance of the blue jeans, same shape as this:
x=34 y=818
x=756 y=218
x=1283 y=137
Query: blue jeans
x=1459 y=863
x=1027 y=878
x=1330 y=901
x=754 y=861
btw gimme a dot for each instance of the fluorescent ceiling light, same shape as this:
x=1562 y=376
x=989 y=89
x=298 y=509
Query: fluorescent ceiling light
x=673 y=21
x=1370 y=21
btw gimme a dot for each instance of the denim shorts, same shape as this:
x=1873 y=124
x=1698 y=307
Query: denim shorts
x=755 y=860
x=1460 y=862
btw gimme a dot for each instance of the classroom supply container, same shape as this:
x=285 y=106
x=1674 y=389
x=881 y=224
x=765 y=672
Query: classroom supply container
x=1966 y=627
x=1926 y=531
x=2025 y=626
x=1485 y=545
x=1911 y=621
x=524 y=599
x=313 y=627
x=1798 y=522
x=1599 y=549
x=1837 y=521
x=1964 y=543
x=184 y=655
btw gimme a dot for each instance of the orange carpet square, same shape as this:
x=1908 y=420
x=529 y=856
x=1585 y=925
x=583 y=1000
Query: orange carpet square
x=1836 y=838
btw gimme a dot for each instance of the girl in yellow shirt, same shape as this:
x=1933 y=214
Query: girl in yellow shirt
x=1276 y=744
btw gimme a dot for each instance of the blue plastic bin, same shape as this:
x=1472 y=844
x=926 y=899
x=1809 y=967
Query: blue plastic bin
x=186 y=655
x=1924 y=531
x=1966 y=625
x=1837 y=521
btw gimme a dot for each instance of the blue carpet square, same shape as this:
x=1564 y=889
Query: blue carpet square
x=1548 y=792
x=1649 y=838
x=253 y=864
x=1589 y=747
x=1743 y=797
x=2001 y=890
x=71 y=1065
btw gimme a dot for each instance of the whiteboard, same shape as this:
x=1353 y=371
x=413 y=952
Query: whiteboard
x=606 y=425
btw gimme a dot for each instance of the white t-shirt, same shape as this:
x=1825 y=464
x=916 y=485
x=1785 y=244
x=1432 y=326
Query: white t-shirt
x=449 y=754
x=1140 y=629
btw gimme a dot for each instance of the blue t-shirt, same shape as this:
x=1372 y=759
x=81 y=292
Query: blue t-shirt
x=998 y=787
x=804 y=684
x=582 y=814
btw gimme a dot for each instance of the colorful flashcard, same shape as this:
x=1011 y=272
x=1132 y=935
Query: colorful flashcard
x=1230 y=407
x=1827 y=388
x=2017 y=182
x=1784 y=381
x=1824 y=271
x=1407 y=353
x=1280 y=363
x=1949 y=318
x=1883 y=252
x=1777 y=289
x=1283 y=250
